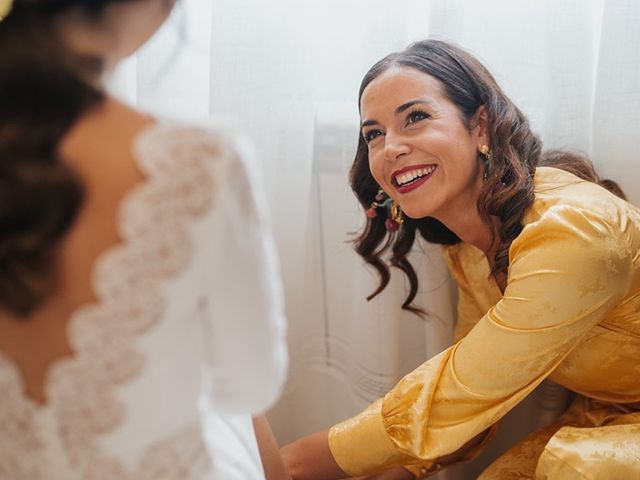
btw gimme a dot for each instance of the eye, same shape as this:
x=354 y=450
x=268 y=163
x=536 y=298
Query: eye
x=416 y=116
x=371 y=135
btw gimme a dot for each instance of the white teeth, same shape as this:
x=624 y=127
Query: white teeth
x=407 y=177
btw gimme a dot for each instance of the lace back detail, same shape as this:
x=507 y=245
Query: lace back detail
x=127 y=281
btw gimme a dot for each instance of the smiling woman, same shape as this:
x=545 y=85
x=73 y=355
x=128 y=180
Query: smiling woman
x=423 y=139
x=454 y=124
x=544 y=258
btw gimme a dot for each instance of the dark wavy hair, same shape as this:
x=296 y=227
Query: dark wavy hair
x=508 y=189
x=43 y=91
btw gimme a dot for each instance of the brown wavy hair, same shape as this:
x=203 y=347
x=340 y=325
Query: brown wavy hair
x=508 y=190
x=43 y=92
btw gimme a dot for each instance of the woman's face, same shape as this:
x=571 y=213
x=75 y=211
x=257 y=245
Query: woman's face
x=421 y=153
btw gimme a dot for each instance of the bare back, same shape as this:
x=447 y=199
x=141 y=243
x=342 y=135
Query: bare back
x=148 y=342
x=99 y=149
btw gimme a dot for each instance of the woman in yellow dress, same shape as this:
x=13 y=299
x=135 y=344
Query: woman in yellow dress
x=548 y=270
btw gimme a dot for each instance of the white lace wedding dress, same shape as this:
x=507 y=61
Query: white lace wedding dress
x=186 y=339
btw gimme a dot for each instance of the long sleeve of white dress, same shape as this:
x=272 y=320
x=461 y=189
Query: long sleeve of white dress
x=246 y=341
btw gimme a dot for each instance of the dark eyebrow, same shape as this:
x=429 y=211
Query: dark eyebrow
x=411 y=103
x=399 y=110
x=366 y=123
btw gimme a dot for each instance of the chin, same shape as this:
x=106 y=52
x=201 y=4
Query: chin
x=416 y=214
x=425 y=207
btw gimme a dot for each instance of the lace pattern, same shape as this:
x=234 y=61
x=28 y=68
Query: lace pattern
x=127 y=281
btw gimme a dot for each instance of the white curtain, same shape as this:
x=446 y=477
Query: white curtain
x=286 y=72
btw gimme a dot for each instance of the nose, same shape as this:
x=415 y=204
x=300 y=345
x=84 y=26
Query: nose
x=394 y=146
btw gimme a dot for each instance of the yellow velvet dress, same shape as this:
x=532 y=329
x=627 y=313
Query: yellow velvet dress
x=570 y=312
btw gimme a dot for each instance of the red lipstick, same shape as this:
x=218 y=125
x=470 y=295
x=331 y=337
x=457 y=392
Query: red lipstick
x=412 y=185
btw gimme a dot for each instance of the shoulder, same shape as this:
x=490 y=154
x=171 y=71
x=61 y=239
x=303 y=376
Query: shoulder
x=212 y=146
x=576 y=227
x=211 y=159
x=560 y=191
x=571 y=208
x=117 y=142
x=115 y=133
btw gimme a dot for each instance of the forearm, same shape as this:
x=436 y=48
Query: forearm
x=274 y=468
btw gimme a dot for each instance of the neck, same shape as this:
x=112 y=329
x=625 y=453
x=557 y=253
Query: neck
x=471 y=228
x=90 y=39
x=465 y=221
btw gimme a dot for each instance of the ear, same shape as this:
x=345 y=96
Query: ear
x=480 y=126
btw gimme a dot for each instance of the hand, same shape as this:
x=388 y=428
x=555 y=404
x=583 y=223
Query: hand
x=309 y=458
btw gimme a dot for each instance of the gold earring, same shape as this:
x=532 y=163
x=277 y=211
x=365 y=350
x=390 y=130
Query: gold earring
x=397 y=218
x=396 y=213
x=486 y=160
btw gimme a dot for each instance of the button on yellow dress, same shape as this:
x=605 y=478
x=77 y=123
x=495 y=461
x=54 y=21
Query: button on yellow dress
x=570 y=312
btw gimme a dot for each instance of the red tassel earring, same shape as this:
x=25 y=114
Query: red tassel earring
x=395 y=219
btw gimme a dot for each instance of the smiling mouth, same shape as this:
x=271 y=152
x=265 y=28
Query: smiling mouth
x=406 y=180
